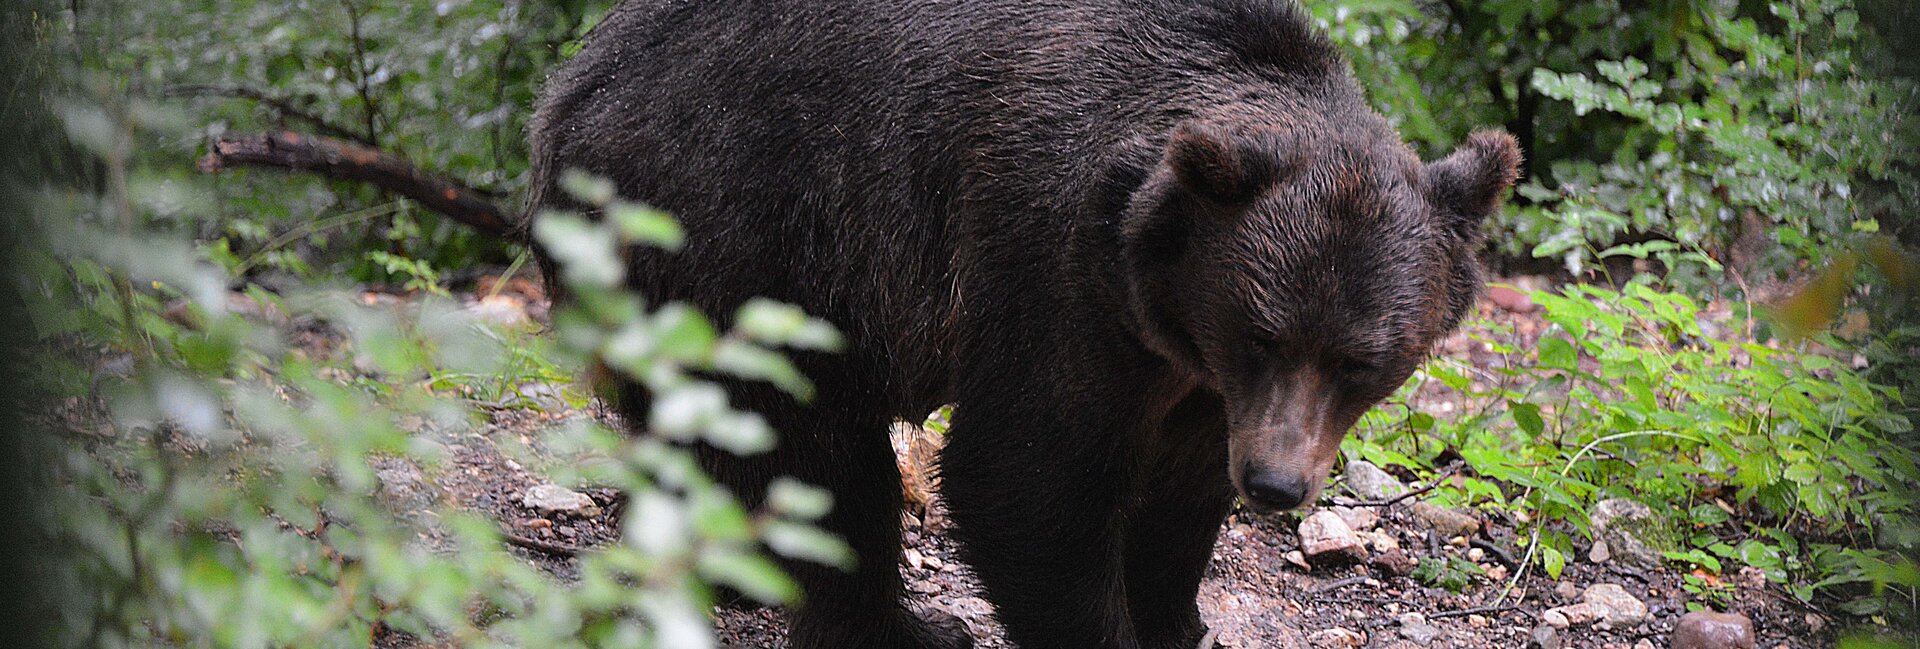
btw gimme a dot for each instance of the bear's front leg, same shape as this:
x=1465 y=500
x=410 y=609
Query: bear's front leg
x=1181 y=495
x=1037 y=519
x=1036 y=474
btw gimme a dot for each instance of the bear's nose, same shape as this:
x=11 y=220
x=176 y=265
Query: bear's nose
x=1274 y=491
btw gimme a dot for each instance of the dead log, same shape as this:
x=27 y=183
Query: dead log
x=342 y=160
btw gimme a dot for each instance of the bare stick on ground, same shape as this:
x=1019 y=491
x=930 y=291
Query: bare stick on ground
x=348 y=161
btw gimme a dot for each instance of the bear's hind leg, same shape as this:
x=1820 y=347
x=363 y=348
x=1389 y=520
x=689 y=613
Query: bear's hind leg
x=841 y=446
x=861 y=608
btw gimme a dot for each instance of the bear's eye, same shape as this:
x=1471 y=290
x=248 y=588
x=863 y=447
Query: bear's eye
x=1264 y=348
x=1355 y=370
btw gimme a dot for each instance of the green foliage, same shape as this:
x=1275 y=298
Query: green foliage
x=448 y=85
x=222 y=484
x=1452 y=573
x=1700 y=122
x=1639 y=393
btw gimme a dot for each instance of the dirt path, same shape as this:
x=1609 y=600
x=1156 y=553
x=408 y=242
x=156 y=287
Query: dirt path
x=1257 y=593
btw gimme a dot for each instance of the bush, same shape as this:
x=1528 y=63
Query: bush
x=1789 y=462
x=1754 y=132
x=220 y=485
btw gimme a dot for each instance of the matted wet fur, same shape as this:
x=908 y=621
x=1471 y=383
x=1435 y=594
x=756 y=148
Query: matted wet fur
x=1159 y=252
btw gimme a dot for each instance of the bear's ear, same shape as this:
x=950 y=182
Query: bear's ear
x=1211 y=162
x=1469 y=184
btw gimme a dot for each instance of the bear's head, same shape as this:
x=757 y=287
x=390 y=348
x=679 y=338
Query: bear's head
x=1303 y=276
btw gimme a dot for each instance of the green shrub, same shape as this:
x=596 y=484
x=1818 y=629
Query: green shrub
x=219 y=481
x=1787 y=461
x=1694 y=121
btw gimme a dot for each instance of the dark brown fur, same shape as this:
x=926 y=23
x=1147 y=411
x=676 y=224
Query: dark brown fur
x=1158 y=251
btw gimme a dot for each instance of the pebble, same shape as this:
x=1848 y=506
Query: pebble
x=1621 y=532
x=1543 y=637
x=1713 y=630
x=1324 y=534
x=1337 y=638
x=555 y=499
x=1447 y=522
x=1396 y=562
x=1297 y=559
x=1358 y=518
x=1607 y=606
x=1414 y=627
x=1566 y=591
x=1370 y=482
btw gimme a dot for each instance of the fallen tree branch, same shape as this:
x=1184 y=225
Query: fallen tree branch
x=348 y=161
x=284 y=106
x=555 y=549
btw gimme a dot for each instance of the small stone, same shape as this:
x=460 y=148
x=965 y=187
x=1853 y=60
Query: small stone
x=1629 y=532
x=914 y=559
x=1296 y=558
x=401 y=486
x=1323 y=534
x=1607 y=606
x=1599 y=553
x=1566 y=591
x=1543 y=637
x=1337 y=638
x=1369 y=482
x=555 y=499
x=1396 y=562
x=1643 y=644
x=1476 y=554
x=1358 y=518
x=1415 y=628
x=935 y=564
x=1447 y=522
x=1477 y=621
x=1713 y=630
x=1380 y=541
x=1510 y=300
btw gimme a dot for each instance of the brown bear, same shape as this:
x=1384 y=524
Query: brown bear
x=1160 y=253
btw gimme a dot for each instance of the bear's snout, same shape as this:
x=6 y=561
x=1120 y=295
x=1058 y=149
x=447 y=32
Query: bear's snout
x=1273 y=491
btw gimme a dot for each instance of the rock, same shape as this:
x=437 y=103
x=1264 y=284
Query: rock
x=554 y=499
x=1337 y=638
x=1358 y=518
x=1713 y=630
x=1324 y=534
x=1369 y=482
x=1510 y=300
x=401 y=486
x=1396 y=562
x=1415 y=628
x=1379 y=541
x=1599 y=553
x=1566 y=591
x=1629 y=532
x=1543 y=637
x=1607 y=606
x=1297 y=559
x=1447 y=522
x=503 y=310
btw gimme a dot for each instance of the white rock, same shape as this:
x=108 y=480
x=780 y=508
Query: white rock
x=1607 y=606
x=1323 y=533
x=1370 y=482
x=555 y=499
x=1337 y=638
